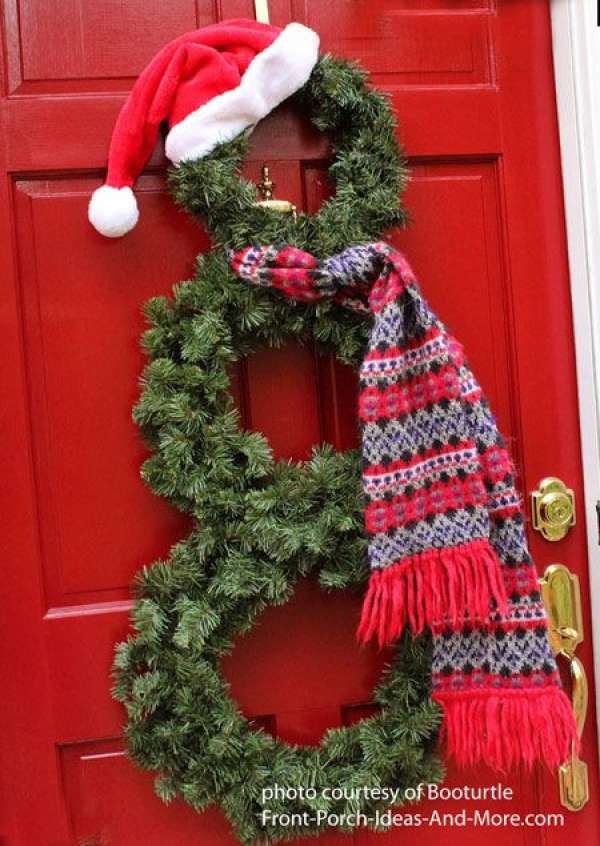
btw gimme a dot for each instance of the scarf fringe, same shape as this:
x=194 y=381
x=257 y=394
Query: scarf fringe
x=508 y=728
x=447 y=586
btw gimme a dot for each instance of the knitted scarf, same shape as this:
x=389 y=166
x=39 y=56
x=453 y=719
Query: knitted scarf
x=446 y=540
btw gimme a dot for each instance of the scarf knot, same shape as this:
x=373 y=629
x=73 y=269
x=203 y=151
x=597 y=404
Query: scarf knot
x=355 y=278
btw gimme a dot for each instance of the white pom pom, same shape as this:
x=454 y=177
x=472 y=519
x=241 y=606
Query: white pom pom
x=113 y=211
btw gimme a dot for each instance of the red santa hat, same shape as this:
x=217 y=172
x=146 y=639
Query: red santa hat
x=210 y=85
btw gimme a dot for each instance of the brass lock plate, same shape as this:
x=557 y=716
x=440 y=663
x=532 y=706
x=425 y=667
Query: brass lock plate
x=574 y=785
x=562 y=598
x=553 y=508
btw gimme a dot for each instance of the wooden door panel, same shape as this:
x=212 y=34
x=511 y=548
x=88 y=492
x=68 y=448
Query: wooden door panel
x=64 y=45
x=462 y=267
x=471 y=81
x=400 y=47
x=82 y=324
x=307 y=671
x=282 y=399
x=80 y=701
x=106 y=803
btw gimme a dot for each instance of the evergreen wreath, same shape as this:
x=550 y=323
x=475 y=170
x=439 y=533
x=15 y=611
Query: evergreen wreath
x=260 y=525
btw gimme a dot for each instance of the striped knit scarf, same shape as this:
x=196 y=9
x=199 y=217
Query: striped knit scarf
x=446 y=539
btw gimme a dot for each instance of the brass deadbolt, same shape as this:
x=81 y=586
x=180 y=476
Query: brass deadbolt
x=553 y=508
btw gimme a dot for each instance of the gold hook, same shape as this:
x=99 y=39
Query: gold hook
x=261 y=11
x=266 y=188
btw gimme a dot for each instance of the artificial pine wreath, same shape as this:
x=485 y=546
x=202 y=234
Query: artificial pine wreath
x=260 y=525
x=445 y=540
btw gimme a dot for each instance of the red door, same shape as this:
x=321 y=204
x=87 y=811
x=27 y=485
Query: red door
x=472 y=84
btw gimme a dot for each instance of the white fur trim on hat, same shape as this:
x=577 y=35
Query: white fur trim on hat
x=271 y=77
x=113 y=211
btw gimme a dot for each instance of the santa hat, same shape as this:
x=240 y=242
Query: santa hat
x=210 y=85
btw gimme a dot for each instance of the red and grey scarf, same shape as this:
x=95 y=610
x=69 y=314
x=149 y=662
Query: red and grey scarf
x=447 y=545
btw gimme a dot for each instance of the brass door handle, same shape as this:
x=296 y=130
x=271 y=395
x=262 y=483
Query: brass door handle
x=562 y=597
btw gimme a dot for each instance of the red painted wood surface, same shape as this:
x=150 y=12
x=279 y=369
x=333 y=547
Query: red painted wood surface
x=472 y=83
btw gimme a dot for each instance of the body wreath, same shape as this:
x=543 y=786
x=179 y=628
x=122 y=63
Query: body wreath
x=260 y=525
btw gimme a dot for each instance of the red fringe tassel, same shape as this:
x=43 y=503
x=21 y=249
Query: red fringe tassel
x=440 y=586
x=509 y=727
